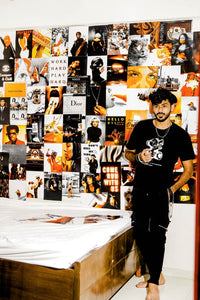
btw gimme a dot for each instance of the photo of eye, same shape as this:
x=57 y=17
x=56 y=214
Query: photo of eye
x=142 y=77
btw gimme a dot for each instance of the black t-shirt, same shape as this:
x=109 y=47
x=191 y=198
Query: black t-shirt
x=94 y=134
x=165 y=153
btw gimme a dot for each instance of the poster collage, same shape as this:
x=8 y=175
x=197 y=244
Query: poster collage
x=71 y=96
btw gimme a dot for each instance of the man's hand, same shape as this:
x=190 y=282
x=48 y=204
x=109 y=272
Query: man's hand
x=145 y=155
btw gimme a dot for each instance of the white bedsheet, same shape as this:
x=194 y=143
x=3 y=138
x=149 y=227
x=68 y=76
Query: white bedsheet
x=25 y=235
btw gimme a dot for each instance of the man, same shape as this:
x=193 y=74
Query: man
x=79 y=47
x=12 y=133
x=4 y=112
x=93 y=164
x=155 y=145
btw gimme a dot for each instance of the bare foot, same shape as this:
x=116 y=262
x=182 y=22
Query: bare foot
x=161 y=279
x=152 y=292
x=144 y=284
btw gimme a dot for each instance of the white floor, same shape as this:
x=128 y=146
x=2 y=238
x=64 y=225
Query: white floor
x=175 y=288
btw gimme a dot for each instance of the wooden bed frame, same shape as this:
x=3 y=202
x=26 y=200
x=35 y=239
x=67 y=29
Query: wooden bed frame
x=99 y=275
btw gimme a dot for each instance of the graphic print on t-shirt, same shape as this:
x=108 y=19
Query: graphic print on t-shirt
x=155 y=145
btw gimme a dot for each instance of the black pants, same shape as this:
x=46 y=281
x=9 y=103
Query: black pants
x=150 y=219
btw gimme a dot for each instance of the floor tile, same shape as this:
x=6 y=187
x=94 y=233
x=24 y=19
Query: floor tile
x=174 y=289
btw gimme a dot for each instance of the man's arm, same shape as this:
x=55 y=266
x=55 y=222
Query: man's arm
x=185 y=176
x=130 y=155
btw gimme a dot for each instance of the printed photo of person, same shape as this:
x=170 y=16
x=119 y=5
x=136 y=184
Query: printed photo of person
x=71 y=157
x=90 y=158
x=36 y=99
x=35 y=185
x=24 y=43
x=14 y=135
x=182 y=52
x=126 y=197
x=70 y=186
x=89 y=183
x=53 y=128
x=96 y=98
x=52 y=186
x=72 y=128
x=40 y=71
x=77 y=66
x=190 y=84
x=118 y=39
x=169 y=77
x=54 y=100
x=59 y=41
x=35 y=71
x=97 y=40
x=95 y=129
x=7 y=45
x=53 y=157
x=138 y=50
x=4 y=110
x=78 y=41
x=112 y=202
x=17 y=171
x=142 y=77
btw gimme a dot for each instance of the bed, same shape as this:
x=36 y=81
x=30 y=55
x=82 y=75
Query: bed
x=34 y=270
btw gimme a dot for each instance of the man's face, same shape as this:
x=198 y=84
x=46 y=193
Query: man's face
x=2 y=102
x=162 y=110
x=12 y=135
x=78 y=35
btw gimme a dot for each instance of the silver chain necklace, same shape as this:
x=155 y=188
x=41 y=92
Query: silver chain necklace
x=96 y=98
x=165 y=134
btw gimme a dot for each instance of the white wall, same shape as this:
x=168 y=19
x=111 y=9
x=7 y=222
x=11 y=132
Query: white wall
x=26 y=14
x=180 y=244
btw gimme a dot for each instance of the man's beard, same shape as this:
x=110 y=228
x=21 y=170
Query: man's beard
x=164 y=119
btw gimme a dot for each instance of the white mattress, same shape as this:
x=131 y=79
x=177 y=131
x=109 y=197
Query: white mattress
x=26 y=235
